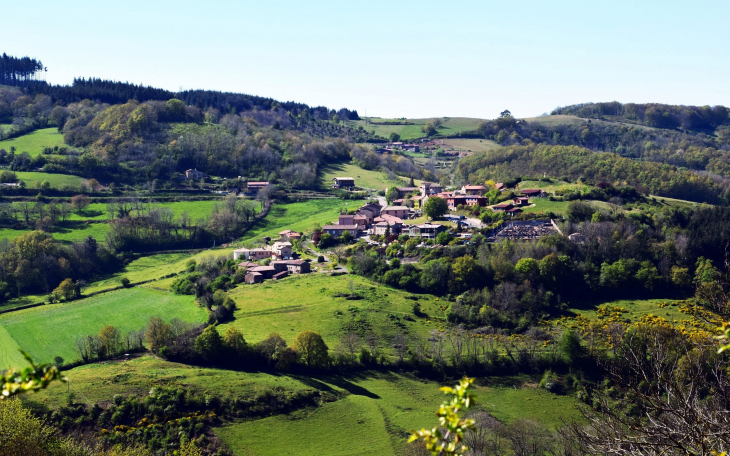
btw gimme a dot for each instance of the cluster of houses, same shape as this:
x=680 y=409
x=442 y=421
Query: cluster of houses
x=399 y=145
x=280 y=252
x=373 y=218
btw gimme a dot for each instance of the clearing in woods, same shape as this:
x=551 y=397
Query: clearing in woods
x=409 y=129
x=51 y=330
x=35 y=141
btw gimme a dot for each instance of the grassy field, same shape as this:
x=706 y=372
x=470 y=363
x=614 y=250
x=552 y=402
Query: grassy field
x=33 y=180
x=300 y=216
x=376 y=410
x=469 y=144
x=637 y=308
x=450 y=125
x=51 y=330
x=302 y=302
x=34 y=142
x=377 y=416
x=574 y=120
x=66 y=234
x=363 y=177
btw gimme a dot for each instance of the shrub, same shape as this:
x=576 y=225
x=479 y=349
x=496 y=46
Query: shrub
x=126 y=283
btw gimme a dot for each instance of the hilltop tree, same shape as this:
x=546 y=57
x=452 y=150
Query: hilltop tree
x=311 y=348
x=394 y=137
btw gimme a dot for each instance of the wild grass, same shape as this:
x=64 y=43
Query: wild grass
x=51 y=330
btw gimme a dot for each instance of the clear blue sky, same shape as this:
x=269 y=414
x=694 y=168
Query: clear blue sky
x=391 y=58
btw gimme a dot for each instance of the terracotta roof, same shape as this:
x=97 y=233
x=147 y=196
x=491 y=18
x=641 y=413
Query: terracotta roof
x=475 y=187
x=531 y=190
x=258 y=183
x=247 y=264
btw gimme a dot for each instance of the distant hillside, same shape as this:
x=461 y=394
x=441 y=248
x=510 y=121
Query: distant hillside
x=698 y=118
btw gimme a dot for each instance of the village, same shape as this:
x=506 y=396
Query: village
x=378 y=224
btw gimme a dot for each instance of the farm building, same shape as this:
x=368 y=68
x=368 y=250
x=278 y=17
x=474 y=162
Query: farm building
x=533 y=192
x=192 y=174
x=343 y=182
x=292 y=266
x=502 y=207
x=281 y=250
x=258 y=253
x=254 y=187
x=253 y=277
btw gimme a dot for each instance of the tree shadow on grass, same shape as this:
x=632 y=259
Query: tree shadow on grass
x=337 y=381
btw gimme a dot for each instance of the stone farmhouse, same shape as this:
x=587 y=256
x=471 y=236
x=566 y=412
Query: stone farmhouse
x=344 y=182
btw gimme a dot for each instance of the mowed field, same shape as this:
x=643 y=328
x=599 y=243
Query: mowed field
x=363 y=177
x=51 y=330
x=308 y=301
x=64 y=233
x=450 y=125
x=34 y=142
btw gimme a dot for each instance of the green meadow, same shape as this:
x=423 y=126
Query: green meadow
x=308 y=301
x=34 y=142
x=363 y=178
x=450 y=126
x=374 y=414
x=34 y=180
x=51 y=330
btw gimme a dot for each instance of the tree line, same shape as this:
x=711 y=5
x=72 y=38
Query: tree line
x=19 y=71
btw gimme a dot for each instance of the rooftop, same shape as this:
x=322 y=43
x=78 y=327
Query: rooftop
x=340 y=227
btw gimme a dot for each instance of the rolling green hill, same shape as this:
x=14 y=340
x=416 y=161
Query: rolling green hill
x=34 y=142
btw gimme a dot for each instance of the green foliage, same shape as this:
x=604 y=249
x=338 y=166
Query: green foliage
x=209 y=344
x=435 y=207
x=311 y=348
x=447 y=443
x=570 y=346
x=32 y=378
x=392 y=194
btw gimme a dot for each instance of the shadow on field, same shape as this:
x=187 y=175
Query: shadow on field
x=337 y=381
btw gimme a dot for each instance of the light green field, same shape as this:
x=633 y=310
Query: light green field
x=376 y=410
x=33 y=180
x=140 y=270
x=34 y=142
x=10 y=355
x=363 y=177
x=450 y=126
x=78 y=232
x=377 y=417
x=469 y=144
x=301 y=302
x=559 y=207
x=552 y=187
x=51 y=330
x=300 y=216
x=196 y=209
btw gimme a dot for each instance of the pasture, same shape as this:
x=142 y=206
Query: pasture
x=34 y=180
x=469 y=144
x=374 y=414
x=51 y=330
x=65 y=232
x=449 y=126
x=34 y=142
x=363 y=177
x=377 y=415
x=308 y=301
